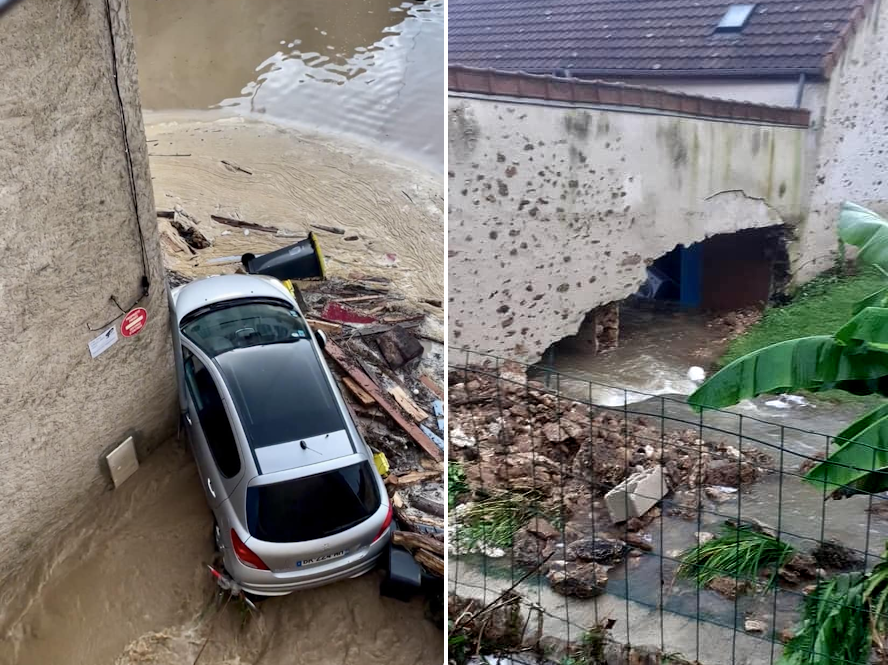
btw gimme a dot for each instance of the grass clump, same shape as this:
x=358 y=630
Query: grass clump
x=490 y=524
x=456 y=483
x=741 y=553
x=819 y=307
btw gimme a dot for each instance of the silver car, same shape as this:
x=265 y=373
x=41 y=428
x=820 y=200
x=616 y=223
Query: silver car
x=297 y=500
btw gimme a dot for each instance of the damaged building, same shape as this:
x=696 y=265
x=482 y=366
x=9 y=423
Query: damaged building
x=699 y=154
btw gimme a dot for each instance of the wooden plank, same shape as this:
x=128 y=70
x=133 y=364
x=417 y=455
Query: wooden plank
x=363 y=396
x=407 y=404
x=427 y=505
x=326 y=326
x=360 y=299
x=415 y=477
x=372 y=389
x=431 y=385
x=414 y=541
x=241 y=224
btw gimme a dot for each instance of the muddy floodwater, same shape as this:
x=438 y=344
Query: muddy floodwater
x=131 y=586
x=368 y=69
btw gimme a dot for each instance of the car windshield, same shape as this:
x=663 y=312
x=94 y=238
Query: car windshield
x=312 y=507
x=223 y=327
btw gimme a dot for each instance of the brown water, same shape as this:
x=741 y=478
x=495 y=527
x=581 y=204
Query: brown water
x=132 y=587
x=369 y=69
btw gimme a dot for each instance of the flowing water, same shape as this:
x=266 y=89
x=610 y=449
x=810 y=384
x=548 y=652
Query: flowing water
x=369 y=69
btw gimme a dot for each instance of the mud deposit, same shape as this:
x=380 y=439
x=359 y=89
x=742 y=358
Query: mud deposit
x=132 y=587
x=391 y=214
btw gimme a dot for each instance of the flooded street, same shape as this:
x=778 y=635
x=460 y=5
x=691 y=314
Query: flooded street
x=371 y=70
x=132 y=587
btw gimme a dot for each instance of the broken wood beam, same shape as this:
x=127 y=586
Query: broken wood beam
x=414 y=541
x=166 y=214
x=362 y=395
x=408 y=404
x=430 y=562
x=372 y=389
x=427 y=505
x=235 y=167
x=398 y=346
x=431 y=385
x=330 y=229
x=241 y=224
x=413 y=477
x=326 y=326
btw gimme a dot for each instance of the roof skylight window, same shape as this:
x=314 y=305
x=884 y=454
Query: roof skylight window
x=735 y=18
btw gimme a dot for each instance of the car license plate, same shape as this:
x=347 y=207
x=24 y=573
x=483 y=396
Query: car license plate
x=318 y=559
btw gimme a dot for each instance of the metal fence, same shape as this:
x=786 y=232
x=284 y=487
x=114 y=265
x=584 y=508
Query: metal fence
x=722 y=544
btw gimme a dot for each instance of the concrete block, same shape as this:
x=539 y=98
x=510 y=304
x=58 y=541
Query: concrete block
x=643 y=489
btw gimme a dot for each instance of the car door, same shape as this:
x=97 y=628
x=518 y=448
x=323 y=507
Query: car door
x=212 y=438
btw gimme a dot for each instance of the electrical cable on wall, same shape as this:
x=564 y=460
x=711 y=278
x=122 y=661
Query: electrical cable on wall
x=132 y=180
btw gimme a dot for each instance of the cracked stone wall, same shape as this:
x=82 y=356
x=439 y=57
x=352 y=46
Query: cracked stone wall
x=852 y=151
x=70 y=243
x=556 y=210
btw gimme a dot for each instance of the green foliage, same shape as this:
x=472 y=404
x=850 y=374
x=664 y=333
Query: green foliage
x=841 y=619
x=741 y=553
x=853 y=359
x=835 y=625
x=456 y=483
x=492 y=522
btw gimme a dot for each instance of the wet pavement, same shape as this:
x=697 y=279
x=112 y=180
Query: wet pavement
x=372 y=70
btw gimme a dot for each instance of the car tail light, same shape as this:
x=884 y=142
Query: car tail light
x=386 y=524
x=245 y=555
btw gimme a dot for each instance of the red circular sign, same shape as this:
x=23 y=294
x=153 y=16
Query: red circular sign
x=133 y=322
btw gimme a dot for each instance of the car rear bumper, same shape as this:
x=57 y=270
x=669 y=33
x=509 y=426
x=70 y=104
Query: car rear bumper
x=282 y=586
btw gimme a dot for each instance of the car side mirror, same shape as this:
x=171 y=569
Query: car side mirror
x=321 y=337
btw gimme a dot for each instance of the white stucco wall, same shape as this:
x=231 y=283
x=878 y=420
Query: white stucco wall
x=852 y=151
x=70 y=242
x=554 y=210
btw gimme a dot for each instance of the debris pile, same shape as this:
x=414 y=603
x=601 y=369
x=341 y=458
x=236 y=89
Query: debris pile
x=387 y=352
x=581 y=466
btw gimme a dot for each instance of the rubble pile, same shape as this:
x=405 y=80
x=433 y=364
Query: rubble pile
x=510 y=435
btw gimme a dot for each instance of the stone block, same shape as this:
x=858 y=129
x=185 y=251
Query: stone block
x=636 y=495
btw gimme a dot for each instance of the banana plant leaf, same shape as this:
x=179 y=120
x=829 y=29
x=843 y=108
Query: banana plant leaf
x=867 y=231
x=854 y=463
x=869 y=326
x=877 y=299
x=809 y=363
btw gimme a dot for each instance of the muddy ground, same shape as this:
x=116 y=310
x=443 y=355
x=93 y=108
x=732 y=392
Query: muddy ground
x=133 y=588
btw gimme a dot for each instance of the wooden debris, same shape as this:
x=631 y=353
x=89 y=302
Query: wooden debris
x=431 y=385
x=397 y=501
x=333 y=311
x=415 y=477
x=363 y=396
x=166 y=214
x=430 y=562
x=330 y=229
x=398 y=346
x=360 y=299
x=189 y=232
x=231 y=166
x=241 y=224
x=427 y=505
x=171 y=154
x=434 y=302
x=326 y=326
x=364 y=381
x=408 y=404
x=381 y=328
x=414 y=541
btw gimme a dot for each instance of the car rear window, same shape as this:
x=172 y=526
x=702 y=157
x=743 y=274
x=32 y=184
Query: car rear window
x=314 y=506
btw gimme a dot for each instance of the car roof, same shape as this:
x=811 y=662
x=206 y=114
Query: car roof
x=219 y=288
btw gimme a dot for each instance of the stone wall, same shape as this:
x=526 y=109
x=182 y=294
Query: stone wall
x=71 y=247
x=852 y=144
x=556 y=209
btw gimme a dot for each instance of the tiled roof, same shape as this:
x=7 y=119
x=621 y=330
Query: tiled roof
x=650 y=38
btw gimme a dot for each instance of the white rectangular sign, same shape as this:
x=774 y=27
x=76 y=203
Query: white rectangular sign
x=103 y=341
